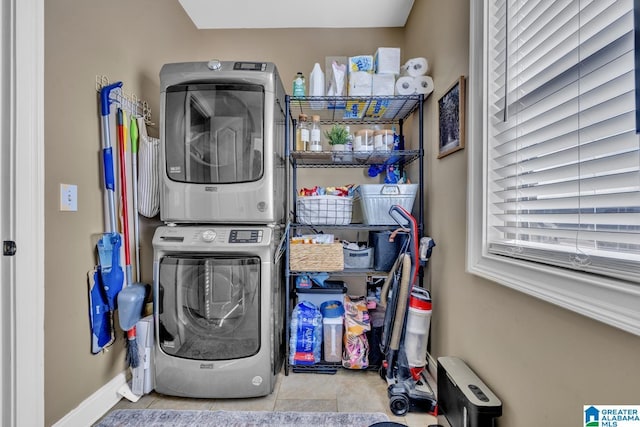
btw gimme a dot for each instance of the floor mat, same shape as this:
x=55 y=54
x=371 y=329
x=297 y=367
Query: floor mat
x=178 y=418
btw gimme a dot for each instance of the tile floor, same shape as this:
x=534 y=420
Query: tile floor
x=345 y=391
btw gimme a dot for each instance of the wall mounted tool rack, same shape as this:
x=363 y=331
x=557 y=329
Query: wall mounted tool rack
x=128 y=101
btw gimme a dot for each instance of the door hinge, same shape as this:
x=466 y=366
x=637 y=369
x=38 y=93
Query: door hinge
x=8 y=248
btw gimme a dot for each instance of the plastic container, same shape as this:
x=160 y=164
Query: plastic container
x=316 y=135
x=332 y=327
x=334 y=290
x=377 y=199
x=363 y=140
x=417 y=332
x=316 y=87
x=383 y=140
x=302 y=133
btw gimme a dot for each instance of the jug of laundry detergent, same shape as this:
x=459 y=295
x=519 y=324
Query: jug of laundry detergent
x=316 y=86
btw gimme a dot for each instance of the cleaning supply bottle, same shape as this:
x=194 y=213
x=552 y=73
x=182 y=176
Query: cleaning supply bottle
x=348 y=146
x=302 y=133
x=299 y=85
x=316 y=143
x=316 y=86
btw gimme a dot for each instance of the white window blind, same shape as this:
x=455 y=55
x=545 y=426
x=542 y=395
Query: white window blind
x=563 y=154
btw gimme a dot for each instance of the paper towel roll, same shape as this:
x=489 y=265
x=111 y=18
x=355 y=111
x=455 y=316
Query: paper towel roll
x=415 y=67
x=405 y=86
x=423 y=84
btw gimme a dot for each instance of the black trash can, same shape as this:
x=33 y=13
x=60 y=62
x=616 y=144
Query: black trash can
x=385 y=252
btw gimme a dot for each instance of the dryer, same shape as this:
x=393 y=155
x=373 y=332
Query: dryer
x=222 y=126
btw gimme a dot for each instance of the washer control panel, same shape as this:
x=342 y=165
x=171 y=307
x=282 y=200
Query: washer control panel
x=208 y=235
x=245 y=236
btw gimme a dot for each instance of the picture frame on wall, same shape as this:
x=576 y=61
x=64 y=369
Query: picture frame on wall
x=451 y=119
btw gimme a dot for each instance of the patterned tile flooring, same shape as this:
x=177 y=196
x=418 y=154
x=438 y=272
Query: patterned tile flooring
x=345 y=391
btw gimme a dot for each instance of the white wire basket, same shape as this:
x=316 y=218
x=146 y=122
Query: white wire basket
x=324 y=210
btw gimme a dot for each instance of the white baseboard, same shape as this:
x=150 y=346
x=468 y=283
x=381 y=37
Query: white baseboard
x=96 y=405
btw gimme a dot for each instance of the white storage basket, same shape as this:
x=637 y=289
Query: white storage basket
x=324 y=210
x=377 y=199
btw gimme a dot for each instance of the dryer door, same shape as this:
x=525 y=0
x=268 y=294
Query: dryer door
x=209 y=306
x=214 y=133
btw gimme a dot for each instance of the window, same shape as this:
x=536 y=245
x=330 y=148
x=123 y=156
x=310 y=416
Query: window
x=555 y=165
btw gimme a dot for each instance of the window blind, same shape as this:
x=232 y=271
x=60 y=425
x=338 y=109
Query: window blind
x=563 y=154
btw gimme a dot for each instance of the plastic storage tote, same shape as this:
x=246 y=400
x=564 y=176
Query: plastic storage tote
x=377 y=199
x=333 y=290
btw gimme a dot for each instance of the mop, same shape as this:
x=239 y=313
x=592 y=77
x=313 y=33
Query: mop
x=131 y=297
x=106 y=280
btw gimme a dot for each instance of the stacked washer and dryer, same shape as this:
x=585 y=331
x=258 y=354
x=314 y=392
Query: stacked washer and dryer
x=218 y=278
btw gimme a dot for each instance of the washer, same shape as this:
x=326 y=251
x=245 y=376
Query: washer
x=218 y=310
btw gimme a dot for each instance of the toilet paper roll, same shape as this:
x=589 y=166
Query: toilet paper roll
x=423 y=84
x=405 y=86
x=415 y=67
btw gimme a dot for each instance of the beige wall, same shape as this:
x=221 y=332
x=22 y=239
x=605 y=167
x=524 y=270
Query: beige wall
x=127 y=41
x=544 y=362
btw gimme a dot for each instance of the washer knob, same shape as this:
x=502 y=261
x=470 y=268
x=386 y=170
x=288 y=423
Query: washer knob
x=208 y=235
x=214 y=64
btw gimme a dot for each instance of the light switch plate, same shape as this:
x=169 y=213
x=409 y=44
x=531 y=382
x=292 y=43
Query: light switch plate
x=68 y=197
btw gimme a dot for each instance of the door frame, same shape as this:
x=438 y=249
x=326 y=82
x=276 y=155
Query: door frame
x=22 y=393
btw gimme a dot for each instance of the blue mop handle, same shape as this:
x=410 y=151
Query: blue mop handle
x=107 y=152
x=105 y=97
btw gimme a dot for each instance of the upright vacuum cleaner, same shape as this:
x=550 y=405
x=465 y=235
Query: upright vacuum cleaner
x=406 y=325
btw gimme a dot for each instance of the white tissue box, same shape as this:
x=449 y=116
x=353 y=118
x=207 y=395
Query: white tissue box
x=360 y=83
x=386 y=60
x=360 y=63
x=383 y=84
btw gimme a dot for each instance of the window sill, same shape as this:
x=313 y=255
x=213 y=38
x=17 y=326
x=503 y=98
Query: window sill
x=613 y=302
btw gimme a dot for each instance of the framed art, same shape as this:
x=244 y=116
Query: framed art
x=451 y=119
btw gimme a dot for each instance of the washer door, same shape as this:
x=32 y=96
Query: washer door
x=209 y=306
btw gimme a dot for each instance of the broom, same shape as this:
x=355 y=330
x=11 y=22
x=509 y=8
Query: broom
x=131 y=297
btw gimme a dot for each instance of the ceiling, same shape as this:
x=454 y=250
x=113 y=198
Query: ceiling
x=226 y=14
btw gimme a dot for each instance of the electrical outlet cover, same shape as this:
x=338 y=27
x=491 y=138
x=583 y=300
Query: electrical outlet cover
x=68 y=197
